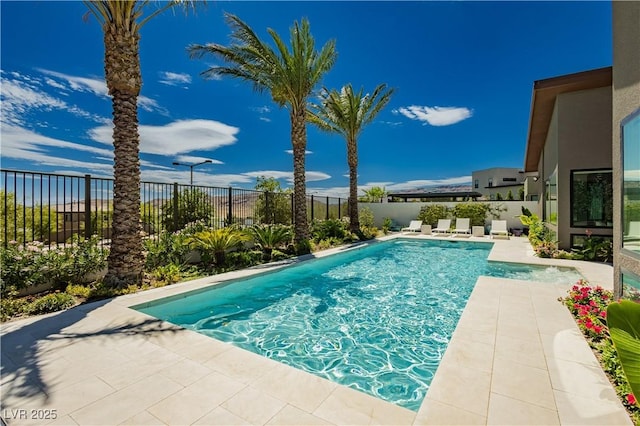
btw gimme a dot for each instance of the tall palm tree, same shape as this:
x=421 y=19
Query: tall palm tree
x=290 y=76
x=347 y=113
x=121 y=21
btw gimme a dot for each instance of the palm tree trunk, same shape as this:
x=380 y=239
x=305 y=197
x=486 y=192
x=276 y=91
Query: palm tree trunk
x=122 y=69
x=299 y=141
x=352 y=159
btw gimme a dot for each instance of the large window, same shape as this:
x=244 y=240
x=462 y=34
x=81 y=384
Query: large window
x=631 y=182
x=592 y=199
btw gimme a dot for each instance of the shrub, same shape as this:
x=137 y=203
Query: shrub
x=431 y=213
x=50 y=303
x=78 y=290
x=270 y=237
x=246 y=258
x=302 y=247
x=476 y=212
x=365 y=217
x=11 y=307
x=386 y=225
x=167 y=274
x=331 y=228
x=594 y=249
x=369 y=232
x=167 y=248
x=33 y=264
x=214 y=243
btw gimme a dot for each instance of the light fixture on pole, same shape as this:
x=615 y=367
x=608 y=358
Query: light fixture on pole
x=191 y=166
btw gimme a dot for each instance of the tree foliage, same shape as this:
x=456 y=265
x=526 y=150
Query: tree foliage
x=274 y=204
x=193 y=205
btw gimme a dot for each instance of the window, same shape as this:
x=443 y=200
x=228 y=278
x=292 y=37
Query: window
x=551 y=205
x=630 y=286
x=490 y=182
x=476 y=183
x=631 y=183
x=592 y=198
x=512 y=179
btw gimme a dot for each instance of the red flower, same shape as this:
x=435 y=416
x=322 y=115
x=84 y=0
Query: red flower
x=631 y=399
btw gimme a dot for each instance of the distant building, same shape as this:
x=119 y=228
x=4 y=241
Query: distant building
x=495 y=183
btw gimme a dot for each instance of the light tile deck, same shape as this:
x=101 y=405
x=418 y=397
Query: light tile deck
x=516 y=357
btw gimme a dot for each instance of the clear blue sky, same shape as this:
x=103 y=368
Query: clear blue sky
x=463 y=74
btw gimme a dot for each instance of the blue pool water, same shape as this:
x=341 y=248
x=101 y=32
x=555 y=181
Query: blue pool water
x=377 y=318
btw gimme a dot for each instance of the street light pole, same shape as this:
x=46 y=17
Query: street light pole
x=191 y=166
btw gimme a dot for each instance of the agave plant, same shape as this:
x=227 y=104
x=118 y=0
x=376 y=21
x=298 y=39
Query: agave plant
x=214 y=243
x=270 y=237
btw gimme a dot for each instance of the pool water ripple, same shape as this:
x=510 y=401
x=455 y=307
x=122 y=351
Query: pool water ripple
x=376 y=319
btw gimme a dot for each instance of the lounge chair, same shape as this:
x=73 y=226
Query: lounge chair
x=414 y=226
x=499 y=227
x=443 y=226
x=634 y=232
x=462 y=227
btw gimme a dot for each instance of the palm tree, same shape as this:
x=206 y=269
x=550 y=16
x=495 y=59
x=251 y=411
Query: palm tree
x=121 y=21
x=375 y=194
x=290 y=76
x=347 y=113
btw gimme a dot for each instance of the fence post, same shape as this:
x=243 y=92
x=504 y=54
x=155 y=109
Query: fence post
x=312 y=212
x=327 y=218
x=87 y=207
x=267 y=216
x=293 y=210
x=339 y=207
x=230 y=212
x=176 y=209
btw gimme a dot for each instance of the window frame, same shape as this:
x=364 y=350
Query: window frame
x=572 y=224
x=627 y=252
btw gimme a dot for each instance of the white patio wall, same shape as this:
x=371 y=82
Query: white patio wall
x=403 y=213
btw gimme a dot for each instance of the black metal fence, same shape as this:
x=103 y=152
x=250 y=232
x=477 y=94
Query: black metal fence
x=52 y=208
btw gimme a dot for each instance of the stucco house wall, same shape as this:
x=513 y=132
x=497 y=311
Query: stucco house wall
x=584 y=135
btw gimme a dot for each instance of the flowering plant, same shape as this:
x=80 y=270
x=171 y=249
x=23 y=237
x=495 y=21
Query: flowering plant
x=588 y=304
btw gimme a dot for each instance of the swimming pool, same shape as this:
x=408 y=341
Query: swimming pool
x=377 y=319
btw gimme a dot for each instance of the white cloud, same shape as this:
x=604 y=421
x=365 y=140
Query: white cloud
x=98 y=87
x=435 y=116
x=189 y=159
x=311 y=176
x=23 y=144
x=266 y=119
x=336 y=191
x=290 y=151
x=423 y=183
x=178 y=137
x=261 y=109
x=174 y=79
x=22 y=95
x=55 y=84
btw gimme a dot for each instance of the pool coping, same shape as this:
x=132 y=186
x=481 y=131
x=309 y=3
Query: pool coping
x=104 y=363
